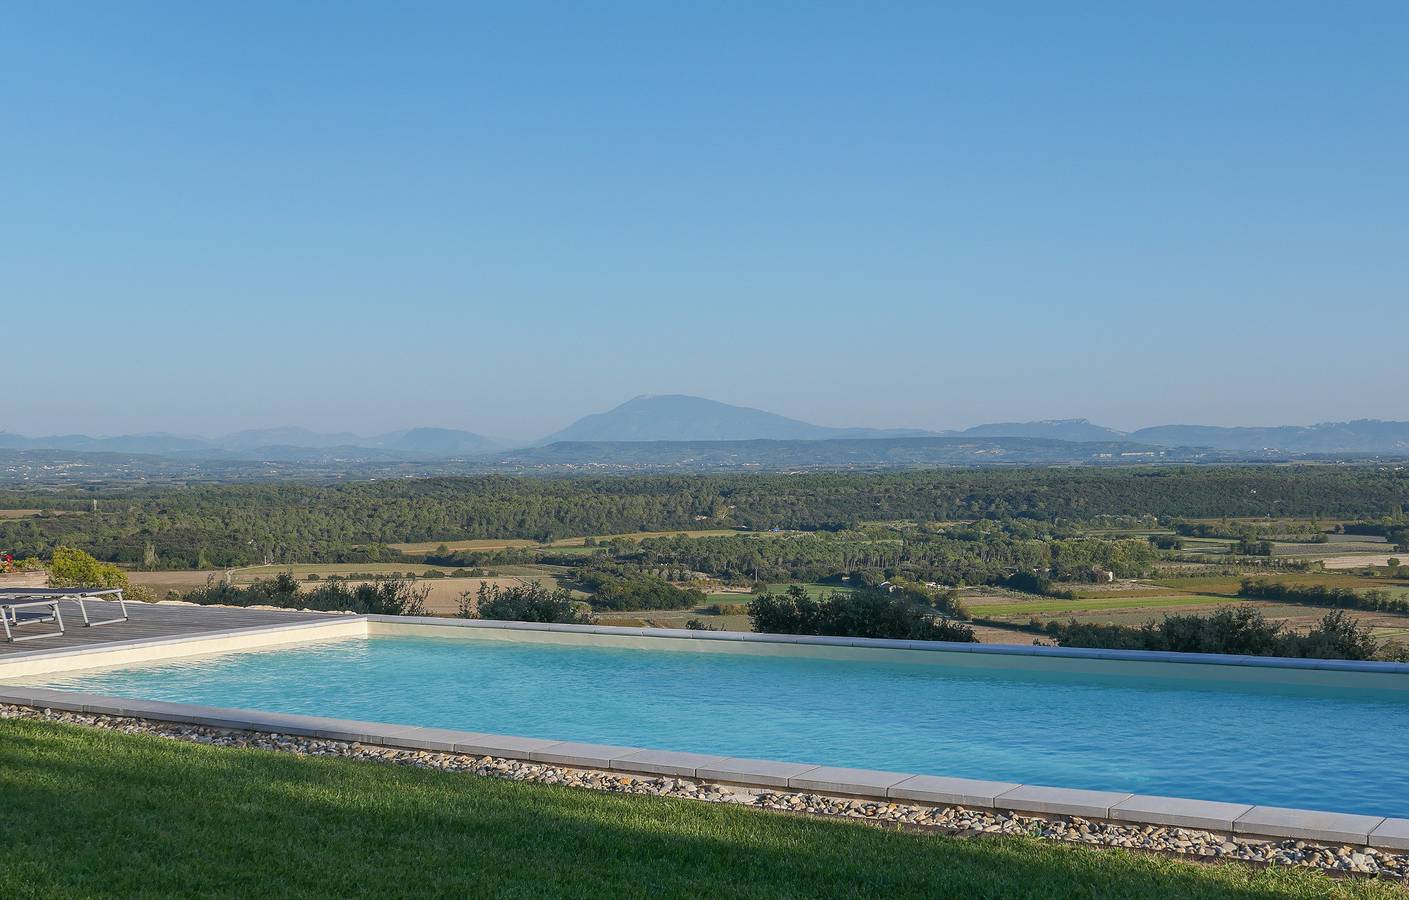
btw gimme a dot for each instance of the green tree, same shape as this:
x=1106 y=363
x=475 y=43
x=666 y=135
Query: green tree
x=74 y=568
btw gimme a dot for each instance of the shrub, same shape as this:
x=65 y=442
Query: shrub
x=70 y=568
x=727 y=609
x=1238 y=630
x=866 y=613
x=1320 y=595
x=523 y=603
x=382 y=596
x=619 y=589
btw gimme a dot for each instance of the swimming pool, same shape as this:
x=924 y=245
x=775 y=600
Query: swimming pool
x=1119 y=728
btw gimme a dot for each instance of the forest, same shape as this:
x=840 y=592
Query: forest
x=206 y=525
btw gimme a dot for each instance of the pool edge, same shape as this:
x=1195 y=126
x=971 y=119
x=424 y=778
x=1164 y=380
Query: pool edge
x=1275 y=823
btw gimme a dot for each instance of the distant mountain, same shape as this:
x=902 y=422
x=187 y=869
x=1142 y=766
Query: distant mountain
x=271 y=444
x=437 y=442
x=1360 y=436
x=677 y=417
x=684 y=420
x=82 y=443
x=1056 y=429
x=285 y=437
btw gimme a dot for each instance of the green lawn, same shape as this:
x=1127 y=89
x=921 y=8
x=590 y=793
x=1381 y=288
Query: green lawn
x=1110 y=602
x=87 y=813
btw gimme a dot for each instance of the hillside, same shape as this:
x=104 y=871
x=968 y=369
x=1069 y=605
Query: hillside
x=676 y=417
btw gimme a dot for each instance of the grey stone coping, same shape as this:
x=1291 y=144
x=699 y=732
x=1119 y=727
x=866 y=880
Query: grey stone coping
x=837 y=780
x=581 y=755
x=665 y=762
x=1391 y=833
x=956 y=791
x=1258 y=821
x=1343 y=828
x=1208 y=659
x=1207 y=815
x=1061 y=801
x=764 y=772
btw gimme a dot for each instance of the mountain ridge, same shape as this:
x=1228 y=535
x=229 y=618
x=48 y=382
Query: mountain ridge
x=683 y=419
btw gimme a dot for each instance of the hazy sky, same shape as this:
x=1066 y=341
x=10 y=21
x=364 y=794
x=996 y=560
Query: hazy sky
x=365 y=217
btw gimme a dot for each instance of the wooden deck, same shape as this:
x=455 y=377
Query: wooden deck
x=148 y=620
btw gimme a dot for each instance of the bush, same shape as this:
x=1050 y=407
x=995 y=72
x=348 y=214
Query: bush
x=1238 y=630
x=1320 y=595
x=381 y=596
x=523 y=603
x=872 y=612
x=619 y=589
x=70 y=568
x=727 y=609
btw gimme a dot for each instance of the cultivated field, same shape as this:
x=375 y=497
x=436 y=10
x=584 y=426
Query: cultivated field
x=488 y=544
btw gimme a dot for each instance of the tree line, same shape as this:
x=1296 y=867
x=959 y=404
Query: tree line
x=240 y=524
x=1321 y=595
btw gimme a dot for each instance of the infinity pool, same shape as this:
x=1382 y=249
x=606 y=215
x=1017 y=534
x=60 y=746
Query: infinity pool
x=1317 y=748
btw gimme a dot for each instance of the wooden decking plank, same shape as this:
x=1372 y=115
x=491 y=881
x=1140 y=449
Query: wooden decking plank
x=147 y=621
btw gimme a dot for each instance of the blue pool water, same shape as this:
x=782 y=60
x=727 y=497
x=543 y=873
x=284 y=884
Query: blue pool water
x=1315 y=748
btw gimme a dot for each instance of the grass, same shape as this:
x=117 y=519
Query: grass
x=1056 y=605
x=452 y=546
x=91 y=813
x=509 y=543
x=1229 y=585
x=814 y=590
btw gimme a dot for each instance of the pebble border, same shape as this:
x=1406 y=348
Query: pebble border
x=956 y=820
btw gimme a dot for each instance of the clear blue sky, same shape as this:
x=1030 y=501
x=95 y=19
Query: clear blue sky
x=365 y=217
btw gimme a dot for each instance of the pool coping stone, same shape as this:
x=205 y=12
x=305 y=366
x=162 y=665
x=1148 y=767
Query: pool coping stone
x=1208 y=659
x=1062 y=801
x=1311 y=825
x=948 y=790
x=1260 y=821
x=1257 y=821
x=1391 y=833
x=1179 y=812
x=842 y=780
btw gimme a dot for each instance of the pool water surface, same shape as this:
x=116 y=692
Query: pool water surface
x=1318 y=748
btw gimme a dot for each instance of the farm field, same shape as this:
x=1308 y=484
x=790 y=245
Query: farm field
x=1228 y=585
x=814 y=590
x=485 y=544
x=1137 y=602
x=19 y=513
x=1357 y=561
x=186 y=579
x=565 y=543
x=989 y=606
x=442 y=599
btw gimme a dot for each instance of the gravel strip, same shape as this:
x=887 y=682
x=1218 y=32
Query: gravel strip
x=964 y=821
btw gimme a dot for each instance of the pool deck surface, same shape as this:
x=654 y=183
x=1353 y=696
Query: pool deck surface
x=147 y=621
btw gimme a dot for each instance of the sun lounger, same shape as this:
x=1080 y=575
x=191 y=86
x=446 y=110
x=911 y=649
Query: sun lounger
x=37 y=606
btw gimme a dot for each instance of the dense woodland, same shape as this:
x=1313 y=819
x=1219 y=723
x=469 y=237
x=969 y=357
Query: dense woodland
x=223 y=525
